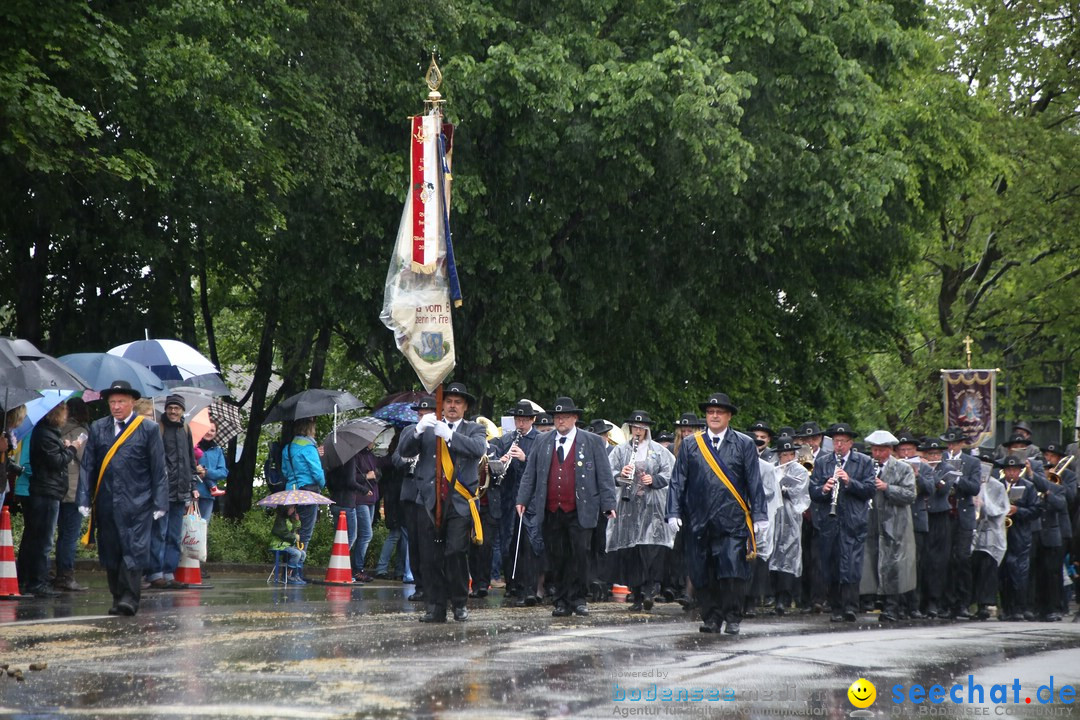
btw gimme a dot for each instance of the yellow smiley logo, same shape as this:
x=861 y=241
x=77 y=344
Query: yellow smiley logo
x=862 y=693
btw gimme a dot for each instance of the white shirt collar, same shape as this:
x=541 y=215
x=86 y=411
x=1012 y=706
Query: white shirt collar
x=125 y=421
x=570 y=437
x=720 y=436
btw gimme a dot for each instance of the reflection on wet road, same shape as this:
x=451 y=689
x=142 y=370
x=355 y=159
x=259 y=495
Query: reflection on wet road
x=245 y=649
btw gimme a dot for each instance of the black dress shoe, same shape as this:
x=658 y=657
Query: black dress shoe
x=114 y=610
x=561 y=611
x=749 y=612
x=581 y=610
x=849 y=615
x=780 y=610
x=837 y=617
x=962 y=614
x=932 y=612
x=461 y=614
x=668 y=595
x=481 y=593
x=886 y=617
x=43 y=591
x=709 y=627
x=648 y=602
x=916 y=615
x=982 y=614
x=125 y=608
x=417 y=596
x=731 y=628
x=433 y=617
x=532 y=600
x=636 y=607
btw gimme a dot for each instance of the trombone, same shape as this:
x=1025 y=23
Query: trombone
x=1054 y=475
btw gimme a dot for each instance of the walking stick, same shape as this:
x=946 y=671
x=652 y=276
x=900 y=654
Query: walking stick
x=517 y=546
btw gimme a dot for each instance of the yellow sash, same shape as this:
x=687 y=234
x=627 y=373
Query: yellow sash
x=101 y=473
x=448 y=470
x=706 y=453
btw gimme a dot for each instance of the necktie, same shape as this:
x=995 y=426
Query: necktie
x=119 y=427
x=716 y=443
x=562 y=449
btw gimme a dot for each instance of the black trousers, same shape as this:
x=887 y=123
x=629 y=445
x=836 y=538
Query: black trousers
x=721 y=600
x=521 y=577
x=759 y=585
x=643 y=568
x=411 y=514
x=601 y=564
x=844 y=597
x=959 y=589
x=1048 y=580
x=939 y=544
x=784 y=586
x=568 y=550
x=480 y=555
x=916 y=599
x=444 y=557
x=125 y=584
x=675 y=568
x=984 y=578
x=813 y=574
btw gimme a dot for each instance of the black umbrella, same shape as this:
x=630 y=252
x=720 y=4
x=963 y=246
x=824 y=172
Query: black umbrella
x=311 y=403
x=349 y=438
x=14 y=397
x=36 y=370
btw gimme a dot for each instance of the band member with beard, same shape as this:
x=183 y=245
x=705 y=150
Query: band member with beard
x=786 y=563
x=716 y=492
x=443 y=543
x=841 y=483
x=566 y=486
x=521 y=553
x=638 y=537
x=889 y=560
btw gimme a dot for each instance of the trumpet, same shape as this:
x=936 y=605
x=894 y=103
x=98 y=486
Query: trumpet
x=1054 y=475
x=1008 y=523
x=835 y=487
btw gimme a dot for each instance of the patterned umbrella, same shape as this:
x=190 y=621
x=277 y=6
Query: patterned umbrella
x=171 y=360
x=397 y=414
x=227 y=417
x=294 y=497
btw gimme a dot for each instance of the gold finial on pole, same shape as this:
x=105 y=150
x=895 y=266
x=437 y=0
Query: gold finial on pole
x=967 y=349
x=434 y=78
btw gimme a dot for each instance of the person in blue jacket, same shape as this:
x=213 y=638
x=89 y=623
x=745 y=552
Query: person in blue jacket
x=302 y=465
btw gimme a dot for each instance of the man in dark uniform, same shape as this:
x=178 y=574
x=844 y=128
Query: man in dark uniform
x=962 y=508
x=847 y=477
x=1054 y=537
x=566 y=486
x=413 y=496
x=763 y=436
x=127 y=494
x=1024 y=509
x=457 y=445
x=716 y=492
x=811 y=445
x=520 y=554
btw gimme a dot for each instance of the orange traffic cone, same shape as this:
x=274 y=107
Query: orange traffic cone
x=9 y=578
x=189 y=573
x=340 y=570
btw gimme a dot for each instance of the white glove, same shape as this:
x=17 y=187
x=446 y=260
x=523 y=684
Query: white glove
x=424 y=423
x=443 y=430
x=674 y=523
x=761 y=527
x=158 y=514
x=84 y=511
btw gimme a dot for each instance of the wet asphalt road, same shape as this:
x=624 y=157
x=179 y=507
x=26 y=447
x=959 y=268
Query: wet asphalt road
x=248 y=649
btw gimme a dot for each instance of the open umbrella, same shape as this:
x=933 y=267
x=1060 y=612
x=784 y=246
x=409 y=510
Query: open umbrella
x=39 y=408
x=349 y=438
x=171 y=360
x=398 y=414
x=227 y=417
x=195 y=399
x=408 y=396
x=294 y=497
x=36 y=370
x=14 y=397
x=209 y=381
x=101 y=369
x=311 y=403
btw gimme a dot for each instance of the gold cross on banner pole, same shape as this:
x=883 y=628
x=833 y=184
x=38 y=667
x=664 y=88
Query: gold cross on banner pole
x=967 y=349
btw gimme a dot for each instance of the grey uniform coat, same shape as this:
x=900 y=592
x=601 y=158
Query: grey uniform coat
x=467 y=445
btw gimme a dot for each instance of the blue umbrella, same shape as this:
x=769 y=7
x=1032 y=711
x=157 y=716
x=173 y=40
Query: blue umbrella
x=101 y=369
x=171 y=360
x=39 y=408
x=397 y=414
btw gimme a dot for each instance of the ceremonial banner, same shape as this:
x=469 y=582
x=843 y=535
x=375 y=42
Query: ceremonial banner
x=422 y=280
x=971 y=402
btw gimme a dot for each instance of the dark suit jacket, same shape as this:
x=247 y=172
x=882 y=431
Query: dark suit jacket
x=466 y=447
x=594 y=484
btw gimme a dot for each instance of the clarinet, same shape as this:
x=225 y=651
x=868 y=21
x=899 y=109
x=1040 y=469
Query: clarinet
x=628 y=491
x=835 y=487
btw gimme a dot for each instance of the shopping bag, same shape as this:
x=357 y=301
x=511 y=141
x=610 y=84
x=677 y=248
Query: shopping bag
x=193 y=535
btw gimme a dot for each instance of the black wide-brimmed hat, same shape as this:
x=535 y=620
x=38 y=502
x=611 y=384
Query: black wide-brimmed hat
x=954 y=435
x=427 y=402
x=599 y=426
x=906 y=437
x=687 y=419
x=544 y=420
x=665 y=437
x=1010 y=461
x=1022 y=425
x=1054 y=448
x=524 y=408
x=566 y=405
x=809 y=429
x=720 y=400
x=786 y=443
x=932 y=443
x=120 y=386
x=1017 y=439
x=456 y=388
x=841 y=429
x=762 y=426
x=639 y=417
x=785 y=430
